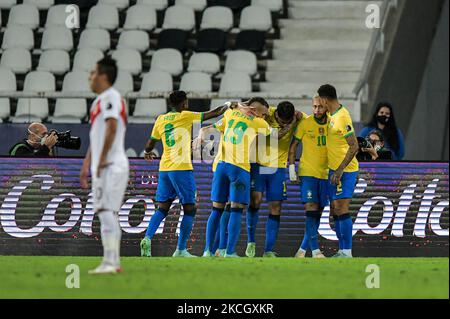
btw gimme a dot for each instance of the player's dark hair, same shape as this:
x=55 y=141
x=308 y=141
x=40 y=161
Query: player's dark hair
x=328 y=91
x=258 y=99
x=108 y=66
x=286 y=111
x=177 y=99
x=390 y=131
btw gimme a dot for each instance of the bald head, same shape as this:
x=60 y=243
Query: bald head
x=36 y=131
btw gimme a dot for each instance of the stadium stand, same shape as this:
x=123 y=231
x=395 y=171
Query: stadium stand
x=231 y=46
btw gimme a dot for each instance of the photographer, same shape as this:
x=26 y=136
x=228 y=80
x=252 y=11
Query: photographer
x=39 y=142
x=372 y=148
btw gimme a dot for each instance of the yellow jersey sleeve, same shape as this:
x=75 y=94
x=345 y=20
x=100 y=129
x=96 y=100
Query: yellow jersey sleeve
x=220 y=125
x=261 y=126
x=300 y=130
x=156 y=135
x=344 y=126
x=193 y=116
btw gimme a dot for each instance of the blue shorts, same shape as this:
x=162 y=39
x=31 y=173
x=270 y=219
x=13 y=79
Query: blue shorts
x=230 y=183
x=271 y=181
x=345 y=188
x=314 y=190
x=174 y=184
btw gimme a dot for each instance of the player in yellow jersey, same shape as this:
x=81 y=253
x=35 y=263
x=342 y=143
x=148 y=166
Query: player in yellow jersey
x=268 y=175
x=231 y=181
x=176 y=177
x=313 y=173
x=342 y=147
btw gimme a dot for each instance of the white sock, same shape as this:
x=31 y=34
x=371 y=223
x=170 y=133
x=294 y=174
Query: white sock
x=108 y=228
x=315 y=252
x=118 y=240
x=348 y=252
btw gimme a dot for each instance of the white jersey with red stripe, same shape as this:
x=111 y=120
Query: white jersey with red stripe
x=108 y=104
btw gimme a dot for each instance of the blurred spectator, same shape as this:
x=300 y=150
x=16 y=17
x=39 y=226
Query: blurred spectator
x=39 y=142
x=375 y=149
x=384 y=120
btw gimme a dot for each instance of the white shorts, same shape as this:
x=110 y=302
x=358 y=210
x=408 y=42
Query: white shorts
x=108 y=190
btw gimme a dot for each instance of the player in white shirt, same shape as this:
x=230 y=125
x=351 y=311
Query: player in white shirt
x=107 y=161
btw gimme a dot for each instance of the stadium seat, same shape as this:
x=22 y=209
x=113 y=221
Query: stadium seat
x=40 y=4
x=204 y=62
x=235 y=83
x=232 y=4
x=179 y=17
x=57 y=38
x=7 y=4
x=72 y=110
x=272 y=5
x=255 y=18
x=147 y=110
x=157 y=4
x=95 y=39
x=128 y=60
x=156 y=81
x=173 y=39
x=18 y=37
x=211 y=40
x=196 y=82
x=25 y=15
x=56 y=16
x=85 y=59
x=54 y=61
x=134 y=39
x=140 y=17
x=7 y=84
x=124 y=82
x=243 y=61
x=197 y=5
x=119 y=4
x=17 y=60
x=217 y=18
x=251 y=40
x=103 y=16
x=35 y=109
x=168 y=60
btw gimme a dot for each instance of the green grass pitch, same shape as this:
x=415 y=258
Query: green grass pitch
x=45 y=277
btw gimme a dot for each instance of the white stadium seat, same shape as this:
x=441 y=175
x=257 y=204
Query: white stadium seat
x=241 y=61
x=7 y=83
x=40 y=4
x=7 y=4
x=156 y=81
x=95 y=39
x=196 y=82
x=134 y=39
x=272 y=5
x=169 y=60
x=85 y=59
x=217 y=18
x=255 y=18
x=76 y=81
x=54 y=61
x=124 y=83
x=25 y=15
x=17 y=60
x=197 y=5
x=103 y=16
x=57 y=38
x=179 y=17
x=34 y=110
x=128 y=60
x=157 y=4
x=204 y=62
x=119 y=4
x=235 y=83
x=140 y=17
x=57 y=16
x=147 y=110
x=18 y=37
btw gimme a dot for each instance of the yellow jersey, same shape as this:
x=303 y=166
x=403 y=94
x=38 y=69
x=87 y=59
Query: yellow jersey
x=220 y=126
x=274 y=152
x=313 y=135
x=174 y=130
x=340 y=126
x=240 y=133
